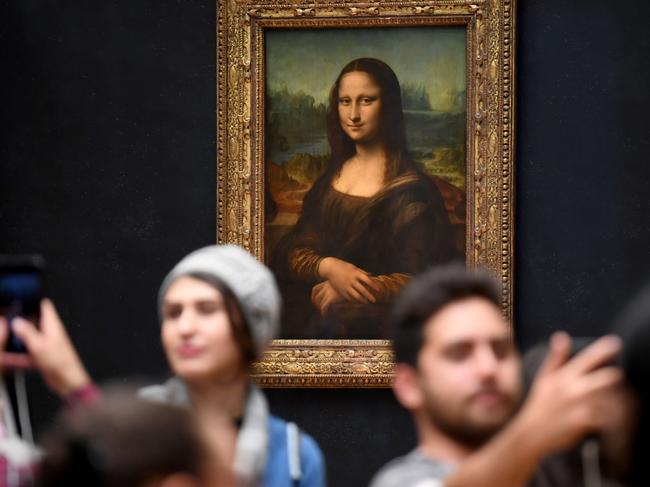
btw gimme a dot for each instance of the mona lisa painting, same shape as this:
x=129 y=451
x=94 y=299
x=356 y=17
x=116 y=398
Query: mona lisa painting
x=357 y=156
x=357 y=171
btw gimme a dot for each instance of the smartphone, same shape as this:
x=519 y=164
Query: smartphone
x=578 y=344
x=21 y=291
x=534 y=358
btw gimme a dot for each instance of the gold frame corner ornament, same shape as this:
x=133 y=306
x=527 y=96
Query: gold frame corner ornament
x=491 y=31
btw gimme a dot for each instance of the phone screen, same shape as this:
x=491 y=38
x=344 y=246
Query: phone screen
x=21 y=291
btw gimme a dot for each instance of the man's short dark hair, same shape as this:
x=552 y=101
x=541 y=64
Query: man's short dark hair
x=429 y=293
x=120 y=442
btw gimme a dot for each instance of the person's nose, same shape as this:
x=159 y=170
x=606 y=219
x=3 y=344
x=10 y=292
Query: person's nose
x=186 y=323
x=355 y=112
x=486 y=362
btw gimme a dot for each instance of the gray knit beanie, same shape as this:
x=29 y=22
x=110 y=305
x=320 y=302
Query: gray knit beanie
x=251 y=282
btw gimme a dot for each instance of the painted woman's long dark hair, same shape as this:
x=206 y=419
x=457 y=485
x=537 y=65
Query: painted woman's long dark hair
x=391 y=125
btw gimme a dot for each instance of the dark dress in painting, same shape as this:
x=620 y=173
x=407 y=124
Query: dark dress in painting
x=398 y=232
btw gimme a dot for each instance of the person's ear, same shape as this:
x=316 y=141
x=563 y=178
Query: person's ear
x=406 y=387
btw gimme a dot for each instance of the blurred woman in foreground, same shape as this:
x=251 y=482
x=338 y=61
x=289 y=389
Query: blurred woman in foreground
x=219 y=309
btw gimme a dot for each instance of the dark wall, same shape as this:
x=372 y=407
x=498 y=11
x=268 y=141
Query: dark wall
x=583 y=149
x=107 y=167
x=107 y=163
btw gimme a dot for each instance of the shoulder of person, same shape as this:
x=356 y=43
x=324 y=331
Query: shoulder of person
x=173 y=391
x=278 y=435
x=318 y=189
x=411 y=470
x=312 y=463
x=412 y=186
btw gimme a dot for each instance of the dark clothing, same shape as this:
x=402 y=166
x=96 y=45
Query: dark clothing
x=400 y=231
x=573 y=469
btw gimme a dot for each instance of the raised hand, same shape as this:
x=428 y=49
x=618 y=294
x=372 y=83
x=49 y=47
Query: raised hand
x=569 y=396
x=51 y=351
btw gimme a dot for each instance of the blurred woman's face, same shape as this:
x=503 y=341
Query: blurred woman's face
x=196 y=333
x=359 y=107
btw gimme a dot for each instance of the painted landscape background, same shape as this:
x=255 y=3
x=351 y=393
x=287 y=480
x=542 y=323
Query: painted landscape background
x=302 y=65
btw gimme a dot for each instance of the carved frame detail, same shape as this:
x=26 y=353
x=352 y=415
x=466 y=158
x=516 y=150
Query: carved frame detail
x=490 y=28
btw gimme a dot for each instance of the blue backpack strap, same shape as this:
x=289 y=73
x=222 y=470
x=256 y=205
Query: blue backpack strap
x=293 y=450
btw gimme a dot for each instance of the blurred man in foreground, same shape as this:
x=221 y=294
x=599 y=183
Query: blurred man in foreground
x=458 y=373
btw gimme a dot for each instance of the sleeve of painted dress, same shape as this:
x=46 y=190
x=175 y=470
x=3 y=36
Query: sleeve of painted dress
x=299 y=251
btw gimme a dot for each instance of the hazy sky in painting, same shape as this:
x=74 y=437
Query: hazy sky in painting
x=310 y=60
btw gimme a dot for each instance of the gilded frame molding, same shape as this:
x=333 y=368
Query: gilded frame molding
x=490 y=28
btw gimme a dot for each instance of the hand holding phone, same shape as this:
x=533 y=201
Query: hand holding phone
x=30 y=328
x=52 y=352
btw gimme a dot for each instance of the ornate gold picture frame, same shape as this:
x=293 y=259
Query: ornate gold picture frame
x=256 y=161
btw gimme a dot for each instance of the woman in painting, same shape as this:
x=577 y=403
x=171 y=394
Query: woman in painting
x=371 y=221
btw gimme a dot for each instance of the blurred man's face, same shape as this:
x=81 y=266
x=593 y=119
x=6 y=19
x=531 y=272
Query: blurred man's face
x=469 y=373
